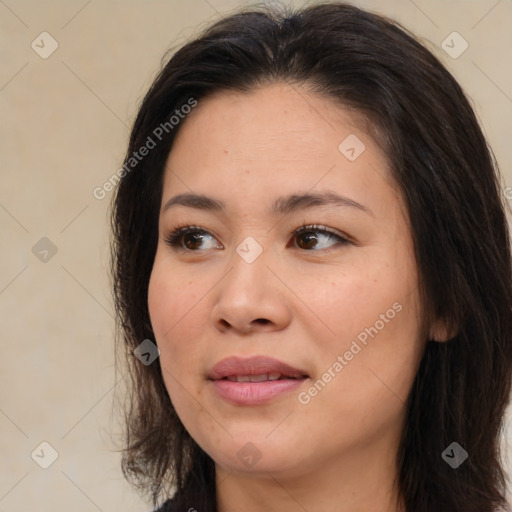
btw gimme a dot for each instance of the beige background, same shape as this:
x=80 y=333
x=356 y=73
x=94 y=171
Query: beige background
x=65 y=122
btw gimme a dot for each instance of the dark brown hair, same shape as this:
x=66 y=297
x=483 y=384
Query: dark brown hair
x=450 y=183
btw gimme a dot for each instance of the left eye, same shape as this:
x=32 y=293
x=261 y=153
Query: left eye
x=317 y=238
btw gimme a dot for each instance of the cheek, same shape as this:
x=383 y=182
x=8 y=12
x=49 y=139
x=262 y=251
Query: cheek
x=176 y=312
x=380 y=353
x=370 y=317
x=175 y=308
x=172 y=298
x=342 y=304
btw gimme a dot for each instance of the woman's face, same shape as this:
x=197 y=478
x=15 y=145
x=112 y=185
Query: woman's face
x=284 y=350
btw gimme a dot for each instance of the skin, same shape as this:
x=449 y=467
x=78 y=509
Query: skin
x=301 y=305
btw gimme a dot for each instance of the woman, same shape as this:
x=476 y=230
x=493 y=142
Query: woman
x=311 y=230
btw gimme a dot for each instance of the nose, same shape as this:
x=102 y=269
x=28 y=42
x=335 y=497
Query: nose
x=251 y=299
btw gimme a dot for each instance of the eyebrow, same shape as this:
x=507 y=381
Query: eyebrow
x=281 y=206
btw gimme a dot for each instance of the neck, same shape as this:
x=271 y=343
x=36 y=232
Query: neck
x=358 y=482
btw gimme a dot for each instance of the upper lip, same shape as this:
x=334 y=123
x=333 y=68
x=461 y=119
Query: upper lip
x=256 y=365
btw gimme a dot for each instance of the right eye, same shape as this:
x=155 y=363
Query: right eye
x=190 y=238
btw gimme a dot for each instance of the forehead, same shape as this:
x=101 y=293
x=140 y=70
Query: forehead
x=276 y=139
x=286 y=119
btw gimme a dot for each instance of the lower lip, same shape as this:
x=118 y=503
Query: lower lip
x=254 y=393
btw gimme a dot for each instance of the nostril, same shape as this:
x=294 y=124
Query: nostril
x=263 y=321
x=258 y=321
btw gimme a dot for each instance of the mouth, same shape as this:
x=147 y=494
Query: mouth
x=262 y=377
x=254 y=380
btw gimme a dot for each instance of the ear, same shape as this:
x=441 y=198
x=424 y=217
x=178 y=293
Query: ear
x=441 y=331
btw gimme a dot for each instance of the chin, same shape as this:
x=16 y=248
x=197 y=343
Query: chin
x=255 y=454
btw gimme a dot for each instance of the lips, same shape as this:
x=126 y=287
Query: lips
x=256 y=368
x=255 y=380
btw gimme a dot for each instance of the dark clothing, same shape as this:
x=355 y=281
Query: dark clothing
x=172 y=506
x=167 y=507
x=198 y=493
x=183 y=505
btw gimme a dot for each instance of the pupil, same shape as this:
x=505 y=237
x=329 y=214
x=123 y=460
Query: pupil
x=197 y=241
x=309 y=238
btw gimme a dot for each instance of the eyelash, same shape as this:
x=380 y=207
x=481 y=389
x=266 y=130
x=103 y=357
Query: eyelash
x=175 y=237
